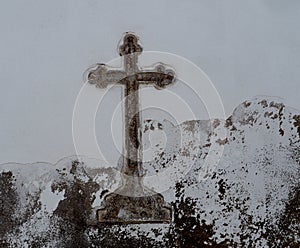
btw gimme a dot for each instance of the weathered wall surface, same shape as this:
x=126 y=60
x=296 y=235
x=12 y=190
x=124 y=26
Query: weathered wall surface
x=250 y=199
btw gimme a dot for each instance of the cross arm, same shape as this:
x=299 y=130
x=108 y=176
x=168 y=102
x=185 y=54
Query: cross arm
x=158 y=79
x=161 y=76
x=102 y=76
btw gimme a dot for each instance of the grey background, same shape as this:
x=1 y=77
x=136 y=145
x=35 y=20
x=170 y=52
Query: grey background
x=247 y=48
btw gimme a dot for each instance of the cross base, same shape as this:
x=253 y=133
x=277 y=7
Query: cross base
x=134 y=209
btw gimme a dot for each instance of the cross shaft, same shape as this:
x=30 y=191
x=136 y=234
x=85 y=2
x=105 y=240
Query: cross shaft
x=131 y=78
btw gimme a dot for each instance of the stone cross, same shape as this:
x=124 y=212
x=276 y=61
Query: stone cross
x=142 y=205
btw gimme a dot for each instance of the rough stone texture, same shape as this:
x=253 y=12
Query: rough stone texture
x=250 y=199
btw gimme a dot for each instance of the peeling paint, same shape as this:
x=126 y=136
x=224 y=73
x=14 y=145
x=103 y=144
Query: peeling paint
x=251 y=199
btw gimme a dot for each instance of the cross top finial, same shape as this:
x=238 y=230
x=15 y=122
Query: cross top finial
x=130 y=45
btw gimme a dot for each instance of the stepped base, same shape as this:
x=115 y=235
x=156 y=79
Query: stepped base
x=134 y=210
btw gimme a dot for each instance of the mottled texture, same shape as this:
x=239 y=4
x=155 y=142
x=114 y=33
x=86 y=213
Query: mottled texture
x=249 y=199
